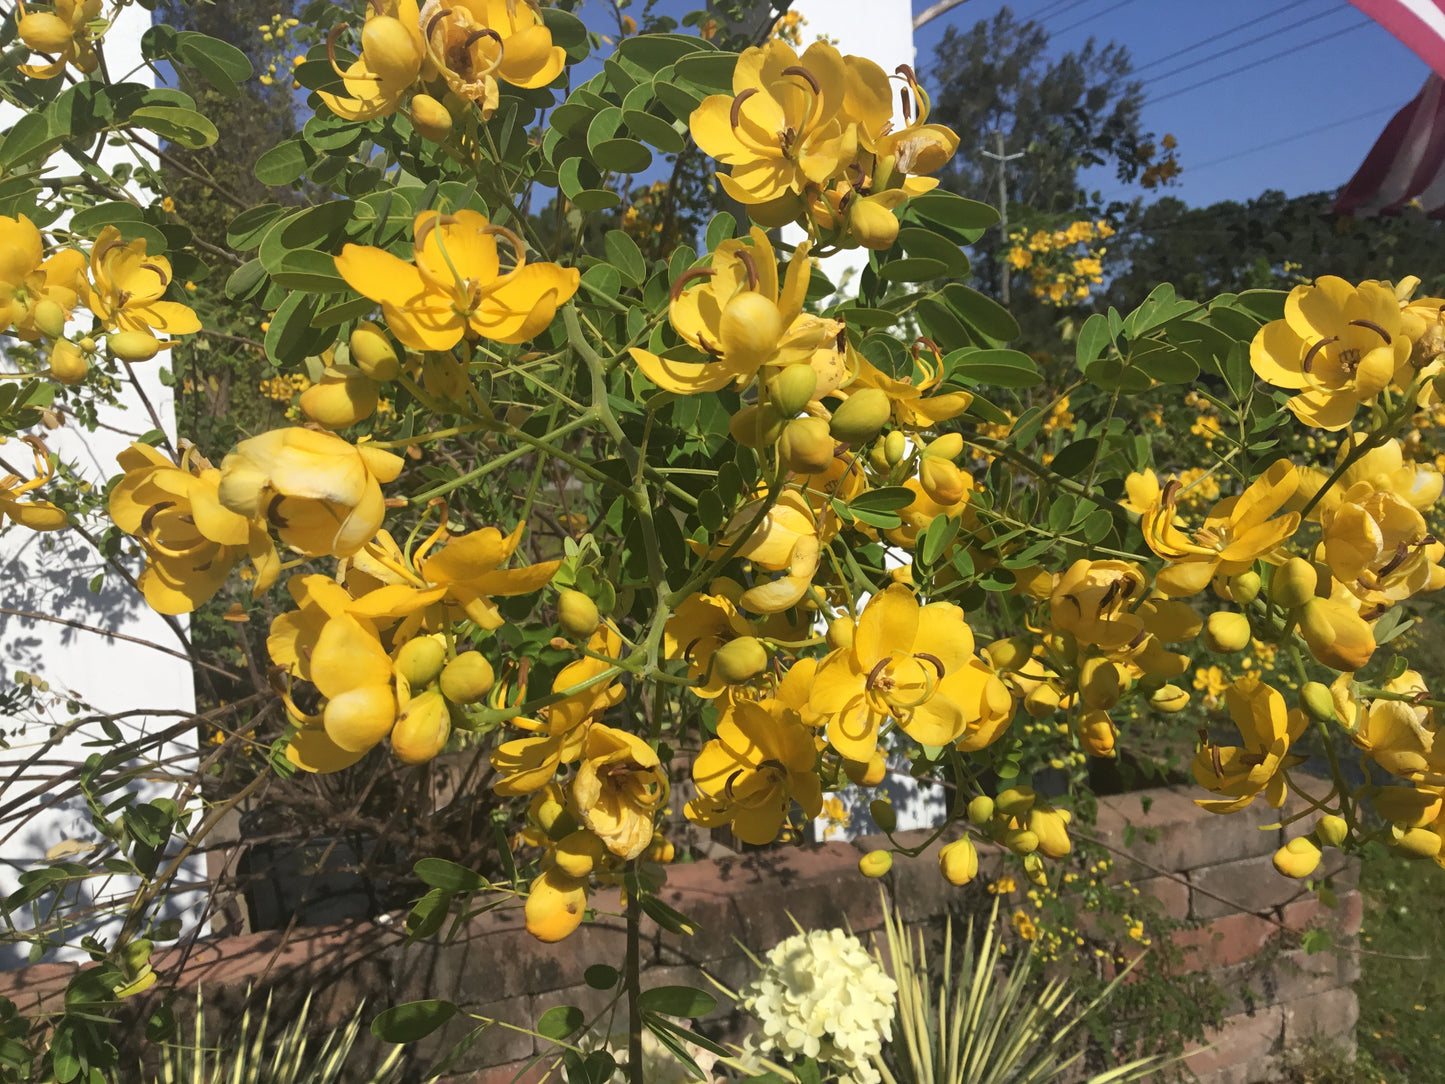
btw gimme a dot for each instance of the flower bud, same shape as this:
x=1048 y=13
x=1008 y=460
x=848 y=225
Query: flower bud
x=792 y=389
x=875 y=863
x=1009 y=654
x=1016 y=801
x=1169 y=699
x=1294 y=583
x=359 y=718
x=740 y=660
x=555 y=906
x=1226 y=632
x=49 y=318
x=958 y=861
x=430 y=118
x=1021 y=840
x=1041 y=700
x=895 y=447
x=883 y=814
x=1244 y=587
x=867 y=773
x=1099 y=683
x=1298 y=858
x=806 y=445
x=420 y=661
x=840 y=632
x=373 y=353
x=757 y=426
x=1317 y=701
x=1049 y=825
x=859 y=418
x=1336 y=635
x=948 y=446
x=752 y=326
x=422 y=728
x=578 y=853
x=344 y=397
x=942 y=480
x=1097 y=733
x=980 y=810
x=389 y=49
x=467 y=678
x=1064 y=645
x=44 y=32
x=1331 y=830
x=871 y=224
x=67 y=363
x=1418 y=842
x=134 y=345
x=577 y=614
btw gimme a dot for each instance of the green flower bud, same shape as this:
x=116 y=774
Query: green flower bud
x=134 y=345
x=1298 y=858
x=49 y=318
x=883 y=814
x=740 y=660
x=980 y=810
x=1294 y=583
x=420 y=661
x=958 y=861
x=576 y=614
x=806 y=445
x=1317 y=701
x=467 y=678
x=1226 y=632
x=430 y=118
x=1331 y=830
x=372 y=352
x=792 y=389
x=1016 y=801
x=859 y=418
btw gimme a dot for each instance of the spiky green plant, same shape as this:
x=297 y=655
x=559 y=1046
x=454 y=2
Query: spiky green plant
x=971 y=1028
x=257 y=1055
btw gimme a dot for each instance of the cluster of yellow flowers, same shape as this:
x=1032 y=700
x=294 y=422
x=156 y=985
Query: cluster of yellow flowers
x=811 y=140
x=283 y=389
x=1063 y=267
x=66 y=35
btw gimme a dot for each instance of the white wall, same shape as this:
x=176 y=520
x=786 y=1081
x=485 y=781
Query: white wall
x=49 y=573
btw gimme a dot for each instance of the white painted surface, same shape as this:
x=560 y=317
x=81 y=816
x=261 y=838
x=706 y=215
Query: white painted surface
x=49 y=573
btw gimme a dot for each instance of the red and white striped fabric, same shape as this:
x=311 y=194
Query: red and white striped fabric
x=1407 y=162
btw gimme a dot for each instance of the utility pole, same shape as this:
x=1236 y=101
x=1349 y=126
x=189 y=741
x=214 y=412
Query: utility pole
x=1003 y=160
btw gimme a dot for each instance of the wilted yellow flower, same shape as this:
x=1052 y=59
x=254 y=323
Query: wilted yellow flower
x=321 y=493
x=128 y=288
x=618 y=788
x=1338 y=345
x=392 y=51
x=29 y=283
x=63 y=34
x=38 y=515
x=1237 y=532
x=1268 y=728
x=455 y=285
x=191 y=541
x=1397 y=735
x=473 y=43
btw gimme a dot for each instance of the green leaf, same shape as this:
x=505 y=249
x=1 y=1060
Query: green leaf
x=1093 y=338
x=29 y=138
x=307 y=269
x=567 y=30
x=1166 y=365
x=913 y=270
x=679 y=101
x=626 y=257
x=246 y=279
x=1075 y=458
x=654 y=130
x=428 y=914
x=412 y=1021
x=284 y=163
x=999 y=368
x=601 y=977
x=708 y=69
x=244 y=232
x=925 y=244
x=653 y=52
x=560 y=1021
x=948 y=209
x=677 y=1001
x=983 y=315
x=671 y=920
x=603 y=127
x=1264 y=305
x=184 y=126
x=448 y=876
x=622 y=155
x=885 y=499
x=291 y=338
x=1158 y=309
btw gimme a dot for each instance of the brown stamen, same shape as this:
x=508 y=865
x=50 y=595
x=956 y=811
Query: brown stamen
x=148 y=519
x=905 y=104
x=805 y=75
x=1313 y=352
x=689 y=276
x=873 y=674
x=1376 y=328
x=906 y=71
x=273 y=513
x=1401 y=552
x=735 y=114
x=751 y=265
x=937 y=662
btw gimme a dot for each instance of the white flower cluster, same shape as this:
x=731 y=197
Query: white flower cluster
x=821 y=995
x=658 y=1064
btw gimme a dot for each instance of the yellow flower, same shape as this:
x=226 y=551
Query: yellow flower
x=1092 y=599
x=697 y=628
x=759 y=763
x=455 y=284
x=911 y=406
x=473 y=43
x=392 y=52
x=914 y=664
x=1338 y=345
x=128 y=287
x=619 y=786
x=784 y=125
x=1397 y=735
x=742 y=318
x=28 y=282
x=191 y=541
x=1024 y=925
x=63 y=34
x=1268 y=728
x=36 y=514
x=322 y=494
x=1237 y=532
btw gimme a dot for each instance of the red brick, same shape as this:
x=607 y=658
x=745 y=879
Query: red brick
x=704 y=892
x=1343 y=919
x=820 y=887
x=1228 y=940
x=1332 y=1014
x=1239 y=1039
x=36 y=986
x=1176 y=835
x=1252 y=885
x=1297 y=974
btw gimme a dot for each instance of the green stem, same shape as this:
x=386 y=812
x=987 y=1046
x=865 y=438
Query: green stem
x=634 y=980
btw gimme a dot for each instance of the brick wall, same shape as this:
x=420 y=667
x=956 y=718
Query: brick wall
x=1214 y=871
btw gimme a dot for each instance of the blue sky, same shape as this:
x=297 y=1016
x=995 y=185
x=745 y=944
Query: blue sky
x=1300 y=118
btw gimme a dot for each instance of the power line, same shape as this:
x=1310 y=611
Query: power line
x=1257 y=63
x=1222 y=34
x=1228 y=49
x=1096 y=15
x=1069 y=5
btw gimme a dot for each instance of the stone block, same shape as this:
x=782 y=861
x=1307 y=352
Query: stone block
x=1328 y=1015
x=1237 y=1042
x=37 y=987
x=819 y=886
x=1343 y=919
x=1251 y=885
x=1231 y=939
x=1297 y=974
x=704 y=892
x=1173 y=834
x=1171 y=893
